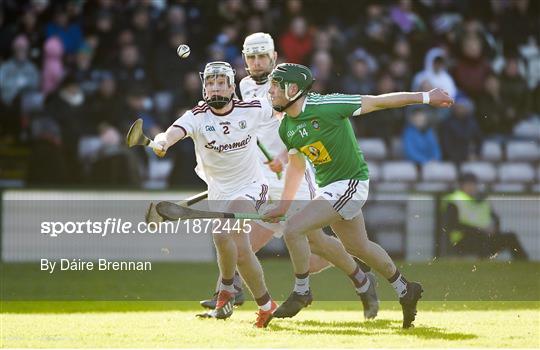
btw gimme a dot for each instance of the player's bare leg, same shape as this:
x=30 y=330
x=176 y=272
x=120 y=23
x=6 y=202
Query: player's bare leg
x=227 y=255
x=249 y=266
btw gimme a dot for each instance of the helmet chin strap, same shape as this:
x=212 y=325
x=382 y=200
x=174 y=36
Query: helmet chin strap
x=292 y=99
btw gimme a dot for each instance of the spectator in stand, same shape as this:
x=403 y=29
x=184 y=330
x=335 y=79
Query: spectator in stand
x=104 y=30
x=459 y=135
x=322 y=71
x=435 y=74
x=191 y=91
x=360 y=79
x=297 y=43
x=68 y=107
x=138 y=107
x=472 y=67
x=18 y=73
x=53 y=70
x=491 y=114
x=84 y=71
x=105 y=106
x=70 y=33
x=420 y=143
x=514 y=90
x=404 y=17
x=31 y=27
x=142 y=29
x=170 y=70
x=130 y=70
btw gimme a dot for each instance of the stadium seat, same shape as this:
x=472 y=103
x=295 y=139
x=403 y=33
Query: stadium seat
x=484 y=171
x=529 y=128
x=522 y=151
x=492 y=151
x=373 y=149
x=399 y=171
x=432 y=187
x=384 y=214
x=374 y=172
x=89 y=146
x=397 y=148
x=392 y=187
x=439 y=172
x=516 y=173
x=508 y=187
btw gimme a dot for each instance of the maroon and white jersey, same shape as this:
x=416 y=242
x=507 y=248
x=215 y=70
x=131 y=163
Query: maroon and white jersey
x=226 y=145
x=268 y=133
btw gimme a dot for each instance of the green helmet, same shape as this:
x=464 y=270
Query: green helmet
x=291 y=73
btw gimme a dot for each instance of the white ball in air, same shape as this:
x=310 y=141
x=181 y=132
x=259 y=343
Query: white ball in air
x=183 y=51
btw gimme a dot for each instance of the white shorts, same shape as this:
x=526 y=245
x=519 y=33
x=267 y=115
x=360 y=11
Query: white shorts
x=346 y=196
x=256 y=192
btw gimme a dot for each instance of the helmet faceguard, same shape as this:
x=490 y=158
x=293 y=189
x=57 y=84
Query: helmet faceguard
x=259 y=44
x=215 y=70
x=286 y=74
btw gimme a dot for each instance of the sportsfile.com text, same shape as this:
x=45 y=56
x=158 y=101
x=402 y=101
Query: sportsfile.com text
x=120 y=226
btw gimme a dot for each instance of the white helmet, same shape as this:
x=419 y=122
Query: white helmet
x=214 y=69
x=258 y=43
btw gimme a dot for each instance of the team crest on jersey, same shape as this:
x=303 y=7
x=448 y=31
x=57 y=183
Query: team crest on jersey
x=210 y=128
x=242 y=124
x=317 y=153
x=315 y=124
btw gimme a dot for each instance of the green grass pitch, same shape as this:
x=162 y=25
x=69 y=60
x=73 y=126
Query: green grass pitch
x=465 y=304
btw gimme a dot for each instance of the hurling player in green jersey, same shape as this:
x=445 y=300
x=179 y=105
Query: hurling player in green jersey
x=317 y=127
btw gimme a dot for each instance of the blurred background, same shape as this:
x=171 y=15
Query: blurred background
x=75 y=74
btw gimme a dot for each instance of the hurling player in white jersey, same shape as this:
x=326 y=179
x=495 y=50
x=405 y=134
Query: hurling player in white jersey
x=223 y=131
x=260 y=57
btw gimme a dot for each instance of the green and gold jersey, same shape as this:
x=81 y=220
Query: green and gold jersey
x=324 y=134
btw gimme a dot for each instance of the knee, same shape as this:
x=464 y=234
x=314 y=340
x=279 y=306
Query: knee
x=220 y=239
x=243 y=255
x=290 y=232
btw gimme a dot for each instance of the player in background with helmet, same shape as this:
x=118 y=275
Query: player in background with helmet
x=260 y=57
x=317 y=127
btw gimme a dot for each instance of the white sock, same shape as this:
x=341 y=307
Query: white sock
x=400 y=286
x=301 y=285
x=227 y=288
x=365 y=287
x=267 y=306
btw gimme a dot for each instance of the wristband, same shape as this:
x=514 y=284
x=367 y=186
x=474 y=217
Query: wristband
x=425 y=97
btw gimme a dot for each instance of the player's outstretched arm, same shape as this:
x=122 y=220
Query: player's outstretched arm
x=168 y=138
x=436 y=98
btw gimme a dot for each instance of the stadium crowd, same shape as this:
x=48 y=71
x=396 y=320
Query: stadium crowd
x=75 y=74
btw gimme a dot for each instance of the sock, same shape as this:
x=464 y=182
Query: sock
x=362 y=265
x=301 y=283
x=227 y=285
x=360 y=280
x=399 y=283
x=237 y=282
x=264 y=302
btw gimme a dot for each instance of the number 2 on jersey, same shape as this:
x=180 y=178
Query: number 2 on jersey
x=226 y=130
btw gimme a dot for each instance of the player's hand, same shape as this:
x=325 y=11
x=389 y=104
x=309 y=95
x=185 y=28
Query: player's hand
x=440 y=98
x=162 y=151
x=274 y=214
x=275 y=165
